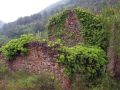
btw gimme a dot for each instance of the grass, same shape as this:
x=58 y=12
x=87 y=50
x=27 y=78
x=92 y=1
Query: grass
x=25 y=81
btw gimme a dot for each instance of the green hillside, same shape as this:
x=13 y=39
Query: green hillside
x=36 y=23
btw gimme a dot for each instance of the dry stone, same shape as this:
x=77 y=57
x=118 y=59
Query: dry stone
x=39 y=59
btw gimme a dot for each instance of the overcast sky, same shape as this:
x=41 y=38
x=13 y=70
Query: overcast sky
x=10 y=10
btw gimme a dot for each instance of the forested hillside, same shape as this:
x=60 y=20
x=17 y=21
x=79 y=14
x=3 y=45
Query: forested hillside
x=36 y=23
x=1 y=24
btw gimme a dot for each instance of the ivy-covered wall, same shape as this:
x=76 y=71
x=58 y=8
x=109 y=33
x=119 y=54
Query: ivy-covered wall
x=89 y=61
x=76 y=26
x=68 y=28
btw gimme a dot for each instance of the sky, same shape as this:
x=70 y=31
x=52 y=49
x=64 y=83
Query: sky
x=10 y=10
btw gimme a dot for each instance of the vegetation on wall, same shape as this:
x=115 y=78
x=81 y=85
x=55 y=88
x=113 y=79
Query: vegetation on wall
x=16 y=46
x=112 y=19
x=89 y=61
x=58 y=22
x=93 y=30
x=27 y=24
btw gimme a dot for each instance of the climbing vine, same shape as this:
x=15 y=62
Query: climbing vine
x=16 y=46
x=89 y=61
x=93 y=30
x=57 y=21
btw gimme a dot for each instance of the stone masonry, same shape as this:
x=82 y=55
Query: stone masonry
x=40 y=58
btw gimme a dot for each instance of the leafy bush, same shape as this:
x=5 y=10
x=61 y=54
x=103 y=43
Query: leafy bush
x=89 y=61
x=16 y=46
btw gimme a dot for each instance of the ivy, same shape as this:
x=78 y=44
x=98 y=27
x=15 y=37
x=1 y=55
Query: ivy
x=16 y=46
x=93 y=30
x=57 y=21
x=89 y=61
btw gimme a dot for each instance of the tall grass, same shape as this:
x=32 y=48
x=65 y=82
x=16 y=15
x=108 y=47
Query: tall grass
x=24 y=81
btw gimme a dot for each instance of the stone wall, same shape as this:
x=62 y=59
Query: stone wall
x=111 y=54
x=72 y=29
x=40 y=58
x=71 y=33
x=113 y=66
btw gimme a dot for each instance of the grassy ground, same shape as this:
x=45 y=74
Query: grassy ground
x=25 y=81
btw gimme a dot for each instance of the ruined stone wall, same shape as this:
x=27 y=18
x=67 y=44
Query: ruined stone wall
x=111 y=54
x=40 y=58
x=113 y=66
x=72 y=29
x=70 y=32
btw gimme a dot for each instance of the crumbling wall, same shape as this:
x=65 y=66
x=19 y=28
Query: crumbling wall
x=40 y=58
x=113 y=66
x=111 y=54
x=72 y=29
x=70 y=32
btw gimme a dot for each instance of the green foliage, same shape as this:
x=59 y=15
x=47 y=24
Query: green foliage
x=24 y=81
x=92 y=27
x=89 y=61
x=112 y=19
x=21 y=83
x=107 y=83
x=16 y=46
x=46 y=81
x=3 y=70
x=57 y=21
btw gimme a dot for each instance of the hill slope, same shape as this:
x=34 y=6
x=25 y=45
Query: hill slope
x=36 y=22
x=1 y=24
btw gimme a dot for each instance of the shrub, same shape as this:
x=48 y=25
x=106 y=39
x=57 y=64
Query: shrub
x=16 y=46
x=89 y=61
